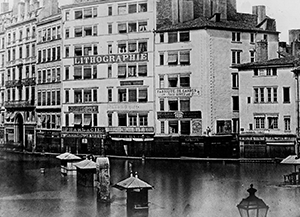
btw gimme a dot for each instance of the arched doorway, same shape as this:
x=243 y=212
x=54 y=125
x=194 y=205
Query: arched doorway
x=19 y=129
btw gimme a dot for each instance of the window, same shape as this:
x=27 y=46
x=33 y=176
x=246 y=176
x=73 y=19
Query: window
x=78 y=14
x=122 y=48
x=95 y=120
x=269 y=90
x=172 y=37
x=184 y=36
x=109 y=71
x=53 y=102
x=185 y=127
x=122 y=28
x=274 y=71
x=67 y=33
x=131 y=70
x=95 y=99
x=161 y=37
x=95 y=11
x=142 y=45
x=255 y=95
x=132 y=27
x=142 y=26
x=252 y=56
x=66 y=119
x=27 y=51
x=162 y=127
x=161 y=59
x=58 y=53
x=132 y=119
x=286 y=94
x=184 y=81
x=122 y=120
x=109 y=95
x=33 y=50
x=274 y=94
x=268 y=72
x=236 y=36
x=143 y=95
x=184 y=105
x=87 y=95
x=78 y=32
x=87 y=49
x=132 y=95
x=235 y=103
x=287 y=123
x=122 y=9
x=77 y=72
x=122 y=95
x=77 y=96
x=173 y=127
x=67 y=73
x=142 y=69
x=67 y=51
x=235 y=80
x=121 y=71
x=67 y=96
x=132 y=8
x=48 y=54
x=142 y=7
x=109 y=117
x=94 y=76
x=109 y=28
x=273 y=122
x=259 y=122
x=87 y=30
x=88 y=13
x=184 y=57
x=87 y=72
x=252 y=37
x=53 y=53
x=39 y=98
x=67 y=15
x=262 y=94
x=95 y=30
x=162 y=104
x=53 y=33
x=265 y=37
x=77 y=51
x=143 y=119
x=236 y=56
x=161 y=81
x=20 y=52
x=173 y=105
x=172 y=58
x=109 y=9
x=173 y=80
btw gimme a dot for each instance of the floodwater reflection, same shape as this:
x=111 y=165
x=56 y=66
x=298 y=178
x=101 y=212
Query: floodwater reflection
x=180 y=188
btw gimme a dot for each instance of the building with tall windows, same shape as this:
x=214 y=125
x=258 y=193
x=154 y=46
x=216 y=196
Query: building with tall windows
x=48 y=67
x=20 y=75
x=108 y=95
x=196 y=88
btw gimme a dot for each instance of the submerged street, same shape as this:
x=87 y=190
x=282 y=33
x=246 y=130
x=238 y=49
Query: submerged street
x=181 y=188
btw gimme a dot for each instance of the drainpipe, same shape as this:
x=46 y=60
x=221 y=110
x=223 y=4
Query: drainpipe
x=297 y=111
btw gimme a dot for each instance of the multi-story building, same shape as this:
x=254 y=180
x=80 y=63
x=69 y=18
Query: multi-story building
x=108 y=76
x=4 y=15
x=196 y=88
x=20 y=74
x=48 y=67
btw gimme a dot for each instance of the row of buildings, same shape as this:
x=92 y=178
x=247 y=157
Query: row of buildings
x=144 y=77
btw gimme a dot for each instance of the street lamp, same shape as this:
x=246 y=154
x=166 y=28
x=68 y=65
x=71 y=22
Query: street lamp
x=252 y=206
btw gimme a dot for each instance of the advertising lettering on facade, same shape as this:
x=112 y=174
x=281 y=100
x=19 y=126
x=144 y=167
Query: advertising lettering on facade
x=93 y=132
x=128 y=83
x=178 y=92
x=178 y=115
x=83 y=109
x=110 y=58
x=131 y=129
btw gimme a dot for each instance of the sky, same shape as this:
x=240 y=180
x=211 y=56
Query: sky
x=284 y=11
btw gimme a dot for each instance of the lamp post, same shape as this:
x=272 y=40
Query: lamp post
x=252 y=206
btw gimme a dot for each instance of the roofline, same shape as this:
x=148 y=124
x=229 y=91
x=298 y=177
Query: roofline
x=95 y=2
x=263 y=66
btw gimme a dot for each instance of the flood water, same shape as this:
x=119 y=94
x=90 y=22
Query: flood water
x=181 y=189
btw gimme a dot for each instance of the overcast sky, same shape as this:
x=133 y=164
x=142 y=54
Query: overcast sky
x=284 y=11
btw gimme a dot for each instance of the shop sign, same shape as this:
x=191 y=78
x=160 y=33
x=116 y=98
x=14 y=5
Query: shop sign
x=178 y=92
x=177 y=115
x=197 y=126
x=83 y=130
x=83 y=109
x=252 y=138
x=131 y=129
x=123 y=107
x=111 y=58
x=129 y=83
x=82 y=135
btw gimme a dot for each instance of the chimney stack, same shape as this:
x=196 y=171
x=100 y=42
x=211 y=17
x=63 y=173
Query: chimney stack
x=21 y=7
x=260 y=12
x=261 y=51
x=175 y=11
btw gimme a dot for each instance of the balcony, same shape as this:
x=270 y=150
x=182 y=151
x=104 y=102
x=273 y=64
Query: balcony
x=13 y=83
x=19 y=104
x=28 y=81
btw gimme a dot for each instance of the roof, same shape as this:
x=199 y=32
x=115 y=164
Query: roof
x=68 y=156
x=86 y=164
x=289 y=61
x=292 y=159
x=133 y=182
x=239 y=22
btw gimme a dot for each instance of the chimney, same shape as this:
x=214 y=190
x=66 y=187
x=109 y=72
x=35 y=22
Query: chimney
x=175 y=10
x=21 y=7
x=15 y=7
x=294 y=35
x=295 y=48
x=186 y=10
x=260 y=12
x=4 y=7
x=27 y=9
x=261 y=50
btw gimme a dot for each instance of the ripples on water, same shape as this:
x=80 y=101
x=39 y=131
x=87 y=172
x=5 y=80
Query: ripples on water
x=180 y=188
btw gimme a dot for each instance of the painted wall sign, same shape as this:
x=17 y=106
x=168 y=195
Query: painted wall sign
x=83 y=130
x=124 y=83
x=83 y=109
x=111 y=58
x=175 y=115
x=178 y=92
x=130 y=129
x=123 y=107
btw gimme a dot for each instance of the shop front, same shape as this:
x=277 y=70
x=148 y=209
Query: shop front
x=48 y=141
x=83 y=140
x=130 y=141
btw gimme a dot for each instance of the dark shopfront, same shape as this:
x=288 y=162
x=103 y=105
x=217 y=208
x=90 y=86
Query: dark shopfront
x=82 y=140
x=48 y=141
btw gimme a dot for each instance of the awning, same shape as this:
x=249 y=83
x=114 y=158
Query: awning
x=77 y=120
x=282 y=143
x=143 y=140
x=121 y=70
x=122 y=26
x=143 y=94
x=172 y=57
x=121 y=139
x=87 y=120
x=184 y=57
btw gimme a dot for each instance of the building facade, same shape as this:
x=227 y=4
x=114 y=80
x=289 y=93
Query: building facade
x=108 y=76
x=48 y=67
x=20 y=119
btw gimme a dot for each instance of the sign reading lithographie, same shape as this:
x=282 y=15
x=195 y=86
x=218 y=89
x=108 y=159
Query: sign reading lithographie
x=178 y=92
x=130 y=129
x=83 y=109
x=178 y=115
x=123 y=107
x=197 y=126
x=126 y=83
x=83 y=130
x=111 y=58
